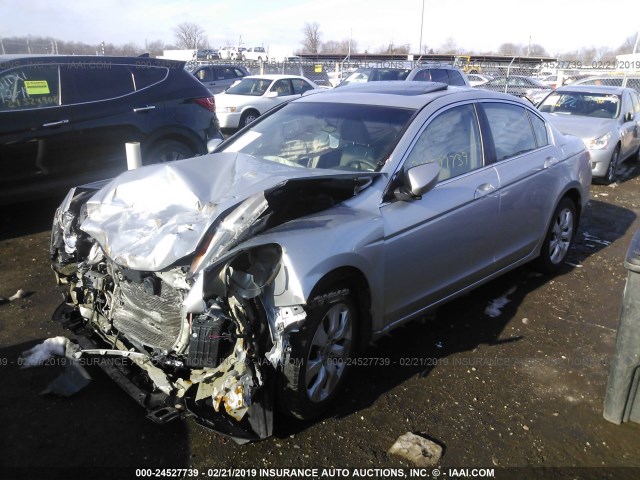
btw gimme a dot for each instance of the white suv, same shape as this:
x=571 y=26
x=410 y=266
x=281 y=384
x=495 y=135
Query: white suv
x=256 y=53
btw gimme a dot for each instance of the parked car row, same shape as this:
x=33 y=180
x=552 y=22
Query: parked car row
x=243 y=53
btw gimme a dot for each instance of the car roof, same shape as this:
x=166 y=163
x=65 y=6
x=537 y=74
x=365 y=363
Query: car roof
x=403 y=94
x=592 y=89
x=15 y=60
x=275 y=77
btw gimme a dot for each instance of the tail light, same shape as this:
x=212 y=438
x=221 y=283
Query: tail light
x=208 y=103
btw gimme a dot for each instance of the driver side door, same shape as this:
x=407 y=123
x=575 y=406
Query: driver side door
x=445 y=241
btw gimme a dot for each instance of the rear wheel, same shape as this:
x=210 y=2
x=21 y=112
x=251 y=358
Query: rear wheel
x=167 y=151
x=320 y=357
x=559 y=237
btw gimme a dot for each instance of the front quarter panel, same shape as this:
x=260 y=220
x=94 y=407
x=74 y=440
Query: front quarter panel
x=316 y=245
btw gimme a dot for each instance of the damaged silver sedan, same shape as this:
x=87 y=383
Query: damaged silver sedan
x=231 y=284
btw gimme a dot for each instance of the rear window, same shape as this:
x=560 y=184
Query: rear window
x=144 y=77
x=455 y=78
x=84 y=82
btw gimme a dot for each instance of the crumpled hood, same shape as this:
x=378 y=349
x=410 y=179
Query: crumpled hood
x=147 y=219
x=583 y=127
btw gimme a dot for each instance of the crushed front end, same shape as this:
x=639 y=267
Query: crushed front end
x=177 y=299
x=173 y=351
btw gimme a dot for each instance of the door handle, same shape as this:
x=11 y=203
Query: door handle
x=484 y=189
x=55 y=124
x=144 y=109
x=550 y=162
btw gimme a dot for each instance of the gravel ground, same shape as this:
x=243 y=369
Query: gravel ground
x=520 y=393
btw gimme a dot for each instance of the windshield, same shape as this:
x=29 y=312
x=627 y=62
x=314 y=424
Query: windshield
x=325 y=135
x=600 y=105
x=250 y=86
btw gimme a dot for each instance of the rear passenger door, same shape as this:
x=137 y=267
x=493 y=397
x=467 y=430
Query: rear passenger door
x=443 y=242
x=111 y=105
x=527 y=163
x=35 y=127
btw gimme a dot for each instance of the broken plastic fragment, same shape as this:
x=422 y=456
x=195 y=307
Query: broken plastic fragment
x=494 y=308
x=19 y=294
x=73 y=379
x=44 y=351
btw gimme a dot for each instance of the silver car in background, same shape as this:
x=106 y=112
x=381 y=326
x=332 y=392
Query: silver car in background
x=606 y=118
x=249 y=278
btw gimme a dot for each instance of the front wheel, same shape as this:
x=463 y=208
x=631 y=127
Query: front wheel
x=248 y=117
x=321 y=353
x=559 y=237
x=613 y=167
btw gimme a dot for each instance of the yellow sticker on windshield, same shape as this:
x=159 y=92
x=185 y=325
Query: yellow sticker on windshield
x=37 y=87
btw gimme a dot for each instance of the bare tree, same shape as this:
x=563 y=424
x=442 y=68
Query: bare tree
x=509 y=49
x=341 y=47
x=190 y=35
x=155 y=48
x=311 y=41
x=537 y=50
x=627 y=45
x=449 y=46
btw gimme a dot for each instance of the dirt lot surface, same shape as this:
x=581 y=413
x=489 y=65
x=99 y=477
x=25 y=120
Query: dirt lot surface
x=520 y=393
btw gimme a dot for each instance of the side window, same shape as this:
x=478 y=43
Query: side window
x=452 y=139
x=300 y=86
x=539 y=129
x=88 y=82
x=283 y=87
x=455 y=78
x=422 y=76
x=226 y=73
x=628 y=104
x=144 y=77
x=239 y=73
x=510 y=128
x=636 y=103
x=205 y=74
x=439 y=75
x=33 y=86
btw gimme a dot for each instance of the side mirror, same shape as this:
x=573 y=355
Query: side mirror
x=418 y=180
x=271 y=94
x=628 y=117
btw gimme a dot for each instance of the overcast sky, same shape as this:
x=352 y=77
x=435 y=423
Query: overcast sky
x=478 y=25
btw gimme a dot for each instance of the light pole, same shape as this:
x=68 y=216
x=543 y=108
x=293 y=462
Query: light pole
x=421 y=28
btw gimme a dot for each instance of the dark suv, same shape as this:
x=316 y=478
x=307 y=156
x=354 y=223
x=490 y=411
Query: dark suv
x=64 y=120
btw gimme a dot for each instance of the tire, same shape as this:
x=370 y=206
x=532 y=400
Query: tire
x=559 y=237
x=611 y=175
x=167 y=151
x=248 y=117
x=320 y=358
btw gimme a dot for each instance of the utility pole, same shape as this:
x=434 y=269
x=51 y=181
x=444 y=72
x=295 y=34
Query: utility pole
x=421 y=28
x=2 y=46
